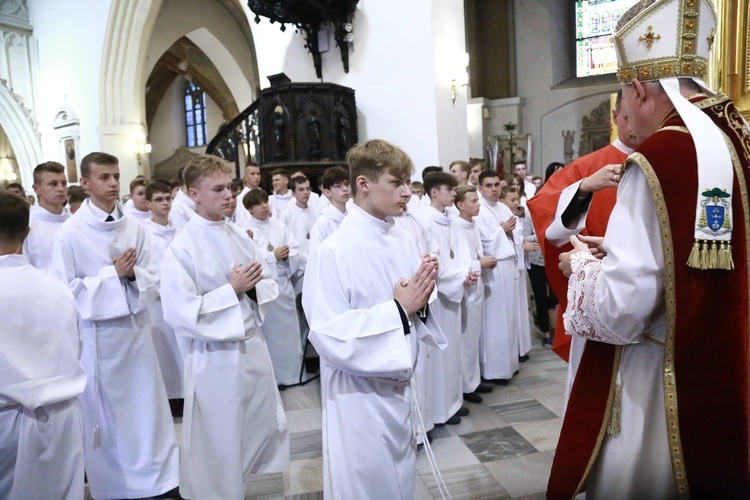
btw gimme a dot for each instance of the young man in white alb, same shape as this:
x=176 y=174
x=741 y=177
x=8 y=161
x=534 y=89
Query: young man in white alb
x=47 y=217
x=454 y=277
x=363 y=289
x=106 y=259
x=335 y=183
x=509 y=197
x=215 y=291
x=165 y=341
x=139 y=204
x=472 y=307
x=281 y=327
x=41 y=428
x=183 y=208
x=300 y=218
x=499 y=356
x=282 y=196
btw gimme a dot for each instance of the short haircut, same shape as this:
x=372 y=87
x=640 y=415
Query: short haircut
x=429 y=170
x=280 y=171
x=137 y=182
x=333 y=176
x=476 y=161
x=536 y=178
x=296 y=181
x=506 y=191
x=175 y=183
x=181 y=175
x=519 y=162
x=487 y=174
x=99 y=159
x=201 y=166
x=254 y=197
x=618 y=99
x=373 y=158
x=157 y=187
x=48 y=166
x=438 y=180
x=461 y=193
x=236 y=186
x=417 y=185
x=14 y=218
x=15 y=185
x=76 y=194
x=464 y=166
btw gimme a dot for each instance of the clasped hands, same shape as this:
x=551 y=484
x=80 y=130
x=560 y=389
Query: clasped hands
x=581 y=243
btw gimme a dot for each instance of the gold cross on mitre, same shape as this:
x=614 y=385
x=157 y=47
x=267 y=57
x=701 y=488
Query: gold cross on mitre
x=650 y=37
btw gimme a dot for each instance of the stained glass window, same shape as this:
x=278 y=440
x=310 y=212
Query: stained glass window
x=195 y=115
x=595 y=23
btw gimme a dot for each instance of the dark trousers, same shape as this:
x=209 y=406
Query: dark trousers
x=543 y=296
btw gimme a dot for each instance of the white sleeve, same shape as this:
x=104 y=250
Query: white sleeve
x=99 y=297
x=367 y=342
x=557 y=233
x=619 y=299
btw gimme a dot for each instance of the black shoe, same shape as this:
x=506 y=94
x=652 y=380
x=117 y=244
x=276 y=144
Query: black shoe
x=523 y=359
x=454 y=420
x=173 y=494
x=546 y=342
x=282 y=388
x=462 y=412
x=429 y=436
x=483 y=389
x=500 y=381
x=472 y=397
x=176 y=406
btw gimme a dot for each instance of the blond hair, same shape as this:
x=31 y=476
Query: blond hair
x=461 y=193
x=372 y=158
x=203 y=165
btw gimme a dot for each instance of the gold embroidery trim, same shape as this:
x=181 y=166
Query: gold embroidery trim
x=675 y=128
x=745 y=202
x=668 y=375
x=605 y=420
x=685 y=63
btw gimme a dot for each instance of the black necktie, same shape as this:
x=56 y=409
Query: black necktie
x=109 y=219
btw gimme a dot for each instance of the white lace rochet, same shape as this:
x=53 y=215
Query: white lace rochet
x=582 y=316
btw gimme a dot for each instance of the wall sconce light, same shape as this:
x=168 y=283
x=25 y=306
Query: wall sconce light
x=462 y=78
x=141 y=147
x=7 y=172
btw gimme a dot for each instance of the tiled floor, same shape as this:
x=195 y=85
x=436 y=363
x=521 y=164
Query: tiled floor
x=503 y=449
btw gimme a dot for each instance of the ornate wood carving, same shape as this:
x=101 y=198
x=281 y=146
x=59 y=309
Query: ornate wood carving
x=594 y=129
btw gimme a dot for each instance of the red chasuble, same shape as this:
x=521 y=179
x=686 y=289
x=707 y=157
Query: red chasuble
x=542 y=207
x=705 y=375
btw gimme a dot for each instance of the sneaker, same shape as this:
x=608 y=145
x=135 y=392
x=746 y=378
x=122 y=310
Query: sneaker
x=547 y=342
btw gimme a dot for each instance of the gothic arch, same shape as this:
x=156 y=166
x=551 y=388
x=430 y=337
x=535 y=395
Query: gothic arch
x=21 y=133
x=129 y=29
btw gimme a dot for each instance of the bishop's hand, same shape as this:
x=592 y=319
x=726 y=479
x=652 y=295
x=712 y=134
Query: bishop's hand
x=605 y=177
x=414 y=293
x=578 y=246
x=595 y=245
x=244 y=278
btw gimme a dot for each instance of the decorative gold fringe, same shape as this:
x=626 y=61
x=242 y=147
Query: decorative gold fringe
x=713 y=256
x=694 y=258
x=707 y=255
x=613 y=427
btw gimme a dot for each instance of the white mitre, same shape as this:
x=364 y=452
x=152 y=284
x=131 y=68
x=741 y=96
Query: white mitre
x=669 y=39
